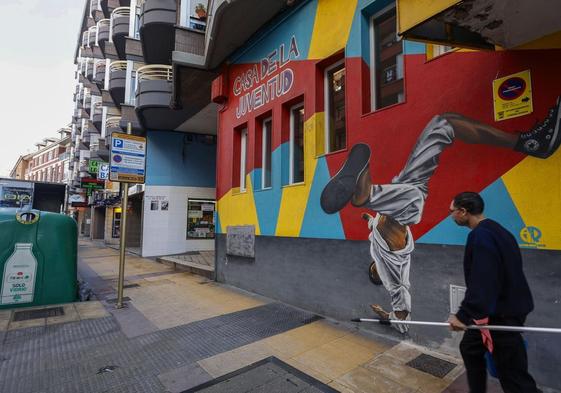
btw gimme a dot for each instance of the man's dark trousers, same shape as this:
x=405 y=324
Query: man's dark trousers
x=510 y=359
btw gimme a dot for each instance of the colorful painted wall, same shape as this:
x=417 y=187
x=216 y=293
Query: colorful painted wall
x=289 y=57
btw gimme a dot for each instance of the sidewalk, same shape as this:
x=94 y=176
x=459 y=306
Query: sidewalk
x=180 y=330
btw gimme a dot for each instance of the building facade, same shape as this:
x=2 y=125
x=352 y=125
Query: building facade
x=125 y=83
x=325 y=77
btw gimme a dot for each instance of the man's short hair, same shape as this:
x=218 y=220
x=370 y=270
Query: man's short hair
x=471 y=201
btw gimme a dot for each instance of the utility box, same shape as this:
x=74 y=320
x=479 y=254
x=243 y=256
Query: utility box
x=38 y=259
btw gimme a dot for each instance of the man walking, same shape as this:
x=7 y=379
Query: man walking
x=497 y=294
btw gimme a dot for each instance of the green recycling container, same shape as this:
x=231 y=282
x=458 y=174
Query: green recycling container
x=38 y=259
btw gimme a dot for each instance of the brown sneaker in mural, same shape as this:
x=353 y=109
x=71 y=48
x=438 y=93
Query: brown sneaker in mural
x=341 y=188
x=543 y=139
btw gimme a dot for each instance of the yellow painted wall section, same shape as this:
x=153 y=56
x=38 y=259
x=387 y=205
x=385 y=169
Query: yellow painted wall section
x=535 y=188
x=552 y=41
x=236 y=208
x=412 y=12
x=295 y=198
x=331 y=27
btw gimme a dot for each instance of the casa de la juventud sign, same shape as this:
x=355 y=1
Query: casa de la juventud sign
x=269 y=79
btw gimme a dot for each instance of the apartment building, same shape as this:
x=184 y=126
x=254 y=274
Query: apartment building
x=49 y=163
x=125 y=81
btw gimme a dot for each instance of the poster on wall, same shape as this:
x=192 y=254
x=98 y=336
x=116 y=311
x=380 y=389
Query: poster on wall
x=157 y=203
x=512 y=96
x=16 y=194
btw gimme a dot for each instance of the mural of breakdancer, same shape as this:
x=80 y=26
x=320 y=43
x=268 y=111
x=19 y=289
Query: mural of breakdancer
x=400 y=204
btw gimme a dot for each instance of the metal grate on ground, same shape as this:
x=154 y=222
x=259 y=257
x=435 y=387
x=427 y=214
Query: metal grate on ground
x=432 y=365
x=267 y=375
x=36 y=314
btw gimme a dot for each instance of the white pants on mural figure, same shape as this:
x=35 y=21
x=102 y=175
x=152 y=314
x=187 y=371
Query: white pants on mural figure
x=403 y=200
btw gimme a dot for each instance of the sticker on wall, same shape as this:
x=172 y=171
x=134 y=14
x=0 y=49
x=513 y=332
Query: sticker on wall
x=512 y=96
x=18 y=282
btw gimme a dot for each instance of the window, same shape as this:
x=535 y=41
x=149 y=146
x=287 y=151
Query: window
x=434 y=50
x=335 y=128
x=387 y=51
x=243 y=158
x=192 y=15
x=266 y=137
x=296 y=150
x=200 y=219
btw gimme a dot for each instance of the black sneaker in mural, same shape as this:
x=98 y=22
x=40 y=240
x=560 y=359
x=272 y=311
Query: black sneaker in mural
x=341 y=188
x=544 y=138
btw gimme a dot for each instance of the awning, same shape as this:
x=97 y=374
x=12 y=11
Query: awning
x=508 y=24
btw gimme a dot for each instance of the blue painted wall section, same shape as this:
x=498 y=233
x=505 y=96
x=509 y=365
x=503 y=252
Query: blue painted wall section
x=180 y=159
x=316 y=222
x=301 y=26
x=500 y=208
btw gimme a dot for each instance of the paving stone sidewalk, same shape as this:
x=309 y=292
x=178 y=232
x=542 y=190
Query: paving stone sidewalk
x=181 y=332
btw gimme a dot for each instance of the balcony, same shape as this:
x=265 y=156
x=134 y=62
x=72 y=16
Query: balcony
x=89 y=70
x=112 y=124
x=117 y=81
x=107 y=6
x=153 y=97
x=99 y=73
x=97 y=115
x=87 y=104
x=120 y=23
x=157 y=30
x=103 y=31
x=92 y=35
x=85 y=39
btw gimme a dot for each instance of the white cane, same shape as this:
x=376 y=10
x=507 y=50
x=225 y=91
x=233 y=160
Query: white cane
x=472 y=327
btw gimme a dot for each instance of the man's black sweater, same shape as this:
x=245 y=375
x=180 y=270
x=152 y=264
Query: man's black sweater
x=496 y=285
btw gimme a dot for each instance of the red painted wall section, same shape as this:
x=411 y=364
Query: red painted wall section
x=432 y=88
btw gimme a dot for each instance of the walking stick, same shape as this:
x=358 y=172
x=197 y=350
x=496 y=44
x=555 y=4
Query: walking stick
x=472 y=327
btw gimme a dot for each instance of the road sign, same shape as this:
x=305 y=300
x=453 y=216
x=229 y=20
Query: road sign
x=128 y=158
x=512 y=96
x=103 y=172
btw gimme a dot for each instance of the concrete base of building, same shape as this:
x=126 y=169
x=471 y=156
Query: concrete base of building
x=330 y=277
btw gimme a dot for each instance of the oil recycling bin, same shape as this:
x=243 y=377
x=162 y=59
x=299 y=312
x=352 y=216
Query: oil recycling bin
x=38 y=259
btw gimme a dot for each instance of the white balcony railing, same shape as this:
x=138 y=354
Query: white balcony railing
x=119 y=12
x=113 y=122
x=155 y=72
x=92 y=34
x=119 y=65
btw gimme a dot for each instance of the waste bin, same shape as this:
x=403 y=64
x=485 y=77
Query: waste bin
x=38 y=259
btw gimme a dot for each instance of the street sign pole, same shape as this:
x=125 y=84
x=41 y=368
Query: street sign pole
x=123 y=237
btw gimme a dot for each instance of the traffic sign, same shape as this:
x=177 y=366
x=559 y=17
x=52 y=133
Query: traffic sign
x=128 y=158
x=512 y=96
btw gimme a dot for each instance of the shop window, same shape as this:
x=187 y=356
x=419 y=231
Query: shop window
x=296 y=144
x=387 y=69
x=200 y=219
x=335 y=127
x=266 y=152
x=116 y=227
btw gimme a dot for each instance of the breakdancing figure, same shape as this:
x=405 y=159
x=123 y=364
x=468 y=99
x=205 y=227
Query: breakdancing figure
x=400 y=204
